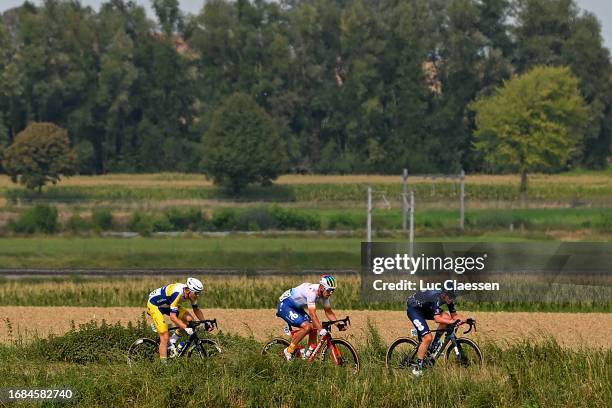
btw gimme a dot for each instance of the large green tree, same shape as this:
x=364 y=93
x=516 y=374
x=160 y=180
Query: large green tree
x=40 y=154
x=557 y=32
x=352 y=86
x=242 y=145
x=535 y=122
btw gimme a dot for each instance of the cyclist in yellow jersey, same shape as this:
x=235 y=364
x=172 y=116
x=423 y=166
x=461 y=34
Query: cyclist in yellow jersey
x=167 y=301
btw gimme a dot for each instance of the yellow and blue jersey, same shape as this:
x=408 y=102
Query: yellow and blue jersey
x=168 y=298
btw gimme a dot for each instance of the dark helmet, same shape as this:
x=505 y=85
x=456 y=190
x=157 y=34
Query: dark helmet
x=452 y=294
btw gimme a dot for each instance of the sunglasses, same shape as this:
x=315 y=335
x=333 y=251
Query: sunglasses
x=330 y=290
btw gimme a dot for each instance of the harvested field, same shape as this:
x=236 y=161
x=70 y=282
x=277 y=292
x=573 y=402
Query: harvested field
x=592 y=330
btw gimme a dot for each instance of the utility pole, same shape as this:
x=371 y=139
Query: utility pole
x=404 y=198
x=411 y=222
x=462 y=199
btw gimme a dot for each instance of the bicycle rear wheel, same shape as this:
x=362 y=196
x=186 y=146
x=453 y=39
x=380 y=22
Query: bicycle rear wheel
x=275 y=347
x=143 y=350
x=206 y=348
x=401 y=354
x=467 y=354
x=344 y=355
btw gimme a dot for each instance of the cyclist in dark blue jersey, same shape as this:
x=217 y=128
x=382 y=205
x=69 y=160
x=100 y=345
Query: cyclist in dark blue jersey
x=427 y=305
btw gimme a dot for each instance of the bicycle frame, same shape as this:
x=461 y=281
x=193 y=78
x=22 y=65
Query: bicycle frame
x=450 y=337
x=193 y=337
x=325 y=342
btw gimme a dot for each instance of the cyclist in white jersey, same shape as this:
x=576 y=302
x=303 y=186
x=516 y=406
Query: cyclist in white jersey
x=291 y=309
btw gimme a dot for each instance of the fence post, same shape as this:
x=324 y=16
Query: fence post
x=369 y=222
x=462 y=198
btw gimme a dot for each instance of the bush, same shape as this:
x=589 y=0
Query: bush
x=102 y=219
x=91 y=343
x=191 y=219
x=604 y=223
x=40 y=218
x=162 y=224
x=224 y=220
x=77 y=224
x=288 y=219
x=255 y=219
x=141 y=223
x=344 y=221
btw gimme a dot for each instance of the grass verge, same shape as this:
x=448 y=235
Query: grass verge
x=91 y=360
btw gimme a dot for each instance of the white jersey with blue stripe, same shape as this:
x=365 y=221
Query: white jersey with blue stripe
x=304 y=295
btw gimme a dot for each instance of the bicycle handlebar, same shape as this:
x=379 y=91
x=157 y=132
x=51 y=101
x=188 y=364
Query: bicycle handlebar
x=196 y=323
x=328 y=324
x=472 y=324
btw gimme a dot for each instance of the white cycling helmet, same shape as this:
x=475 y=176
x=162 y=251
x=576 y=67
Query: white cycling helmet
x=328 y=282
x=195 y=285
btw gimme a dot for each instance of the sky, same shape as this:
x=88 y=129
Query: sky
x=601 y=8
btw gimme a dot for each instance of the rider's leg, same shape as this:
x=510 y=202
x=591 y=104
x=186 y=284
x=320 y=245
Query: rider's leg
x=312 y=339
x=162 y=329
x=441 y=326
x=419 y=320
x=163 y=345
x=186 y=317
x=445 y=315
x=425 y=342
x=305 y=329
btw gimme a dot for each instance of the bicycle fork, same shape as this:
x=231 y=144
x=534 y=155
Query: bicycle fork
x=458 y=350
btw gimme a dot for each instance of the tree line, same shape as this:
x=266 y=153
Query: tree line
x=348 y=86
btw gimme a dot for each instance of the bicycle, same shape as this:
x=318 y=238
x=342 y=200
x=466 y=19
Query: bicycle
x=338 y=351
x=146 y=349
x=403 y=351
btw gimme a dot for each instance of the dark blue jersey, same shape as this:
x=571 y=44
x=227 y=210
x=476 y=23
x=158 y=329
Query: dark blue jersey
x=430 y=302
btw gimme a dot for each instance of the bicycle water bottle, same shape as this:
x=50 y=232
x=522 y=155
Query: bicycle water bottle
x=180 y=347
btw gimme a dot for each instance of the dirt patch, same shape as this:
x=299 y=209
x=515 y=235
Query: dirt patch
x=569 y=329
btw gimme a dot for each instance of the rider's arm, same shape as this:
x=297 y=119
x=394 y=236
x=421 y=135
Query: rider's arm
x=453 y=312
x=312 y=311
x=193 y=298
x=175 y=305
x=330 y=313
x=444 y=320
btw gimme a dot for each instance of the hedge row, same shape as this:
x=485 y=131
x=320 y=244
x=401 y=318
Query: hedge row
x=45 y=219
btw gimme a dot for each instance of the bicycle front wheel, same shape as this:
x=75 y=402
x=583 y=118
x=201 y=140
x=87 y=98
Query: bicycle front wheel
x=466 y=354
x=275 y=347
x=401 y=354
x=206 y=348
x=342 y=353
x=143 y=350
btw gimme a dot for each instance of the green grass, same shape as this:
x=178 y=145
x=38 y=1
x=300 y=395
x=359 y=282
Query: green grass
x=254 y=292
x=235 y=252
x=283 y=253
x=91 y=360
x=240 y=252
